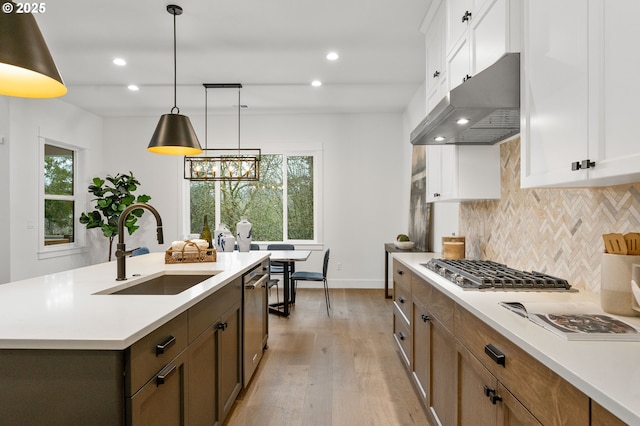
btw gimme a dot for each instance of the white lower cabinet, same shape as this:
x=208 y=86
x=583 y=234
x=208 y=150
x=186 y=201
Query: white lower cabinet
x=457 y=173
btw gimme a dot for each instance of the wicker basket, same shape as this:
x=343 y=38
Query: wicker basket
x=190 y=256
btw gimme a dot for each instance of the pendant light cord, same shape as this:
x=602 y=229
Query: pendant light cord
x=175 y=69
x=206 y=118
x=238 y=121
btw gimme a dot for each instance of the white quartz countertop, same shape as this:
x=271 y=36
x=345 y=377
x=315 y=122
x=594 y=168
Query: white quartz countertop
x=606 y=371
x=63 y=311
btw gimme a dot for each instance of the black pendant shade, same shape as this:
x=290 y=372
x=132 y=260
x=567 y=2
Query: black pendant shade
x=174 y=135
x=26 y=67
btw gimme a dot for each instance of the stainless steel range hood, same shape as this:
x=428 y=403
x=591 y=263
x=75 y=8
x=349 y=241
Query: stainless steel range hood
x=490 y=100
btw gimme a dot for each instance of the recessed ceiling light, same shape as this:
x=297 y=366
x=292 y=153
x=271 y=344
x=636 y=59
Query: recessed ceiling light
x=439 y=138
x=120 y=62
x=332 y=56
x=133 y=87
x=316 y=83
x=462 y=121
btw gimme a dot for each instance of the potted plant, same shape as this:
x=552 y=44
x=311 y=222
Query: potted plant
x=113 y=195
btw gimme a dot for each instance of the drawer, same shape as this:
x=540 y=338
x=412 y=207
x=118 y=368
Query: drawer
x=148 y=355
x=402 y=334
x=551 y=399
x=402 y=288
x=439 y=305
x=207 y=311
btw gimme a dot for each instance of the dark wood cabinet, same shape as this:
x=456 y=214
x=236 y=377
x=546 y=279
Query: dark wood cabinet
x=455 y=362
x=229 y=379
x=163 y=399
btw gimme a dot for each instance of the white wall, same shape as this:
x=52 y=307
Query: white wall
x=5 y=182
x=365 y=179
x=29 y=120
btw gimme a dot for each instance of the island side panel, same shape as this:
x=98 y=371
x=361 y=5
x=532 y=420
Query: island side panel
x=47 y=387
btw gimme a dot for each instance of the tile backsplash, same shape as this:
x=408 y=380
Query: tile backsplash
x=557 y=231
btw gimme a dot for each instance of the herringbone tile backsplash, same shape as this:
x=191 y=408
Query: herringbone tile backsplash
x=550 y=230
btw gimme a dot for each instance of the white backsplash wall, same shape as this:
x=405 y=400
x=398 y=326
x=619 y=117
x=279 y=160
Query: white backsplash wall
x=551 y=230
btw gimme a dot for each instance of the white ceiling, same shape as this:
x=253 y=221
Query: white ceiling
x=275 y=48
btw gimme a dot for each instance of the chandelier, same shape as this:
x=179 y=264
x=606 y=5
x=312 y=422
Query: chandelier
x=223 y=164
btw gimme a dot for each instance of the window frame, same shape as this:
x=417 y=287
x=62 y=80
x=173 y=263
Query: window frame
x=64 y=249
x=317 y=200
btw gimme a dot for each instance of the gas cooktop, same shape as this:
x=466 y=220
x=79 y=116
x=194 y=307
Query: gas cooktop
x=488 y=275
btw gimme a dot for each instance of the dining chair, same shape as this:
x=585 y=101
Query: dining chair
x=277 y=267
x=315 y=276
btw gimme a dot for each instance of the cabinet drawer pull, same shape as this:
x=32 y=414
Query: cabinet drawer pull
x=436 y=74
x=495 y=354
x=584 y=164
x=492 y=395
x=424 y=317
x=401 y=299
x=161 y=347
x=466 y=17
x=401 y=336
x=223 y=326
x=466 y=77
x=400 y=271
x=164 y=374
x=436 y=194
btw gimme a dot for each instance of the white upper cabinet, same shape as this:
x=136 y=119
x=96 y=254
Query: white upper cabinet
x=478 y=34
x=554 y=101
x=458 y=173
x=436 y=66
x=579 y=94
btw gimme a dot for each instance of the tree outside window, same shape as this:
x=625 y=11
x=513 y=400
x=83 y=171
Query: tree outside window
x=280 y=205
x=59 y=196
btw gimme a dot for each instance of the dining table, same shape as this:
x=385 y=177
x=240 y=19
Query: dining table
x=288 y=258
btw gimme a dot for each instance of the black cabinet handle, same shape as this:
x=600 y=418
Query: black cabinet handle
x=424 y=317
x=164 y=374
x=495 y=354
x=436 y=194
x=492 y=395
x=161 y=347
x=466 y=17
x=436 y=74
x=584 y=164
x=223 y=326
x=466 y=77
x=401 y=299
x=400 y=272
x=401 y=336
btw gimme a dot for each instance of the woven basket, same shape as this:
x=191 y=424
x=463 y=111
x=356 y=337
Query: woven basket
x=190 y=256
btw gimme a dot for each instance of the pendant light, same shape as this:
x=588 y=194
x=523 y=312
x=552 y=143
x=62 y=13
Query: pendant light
x=223 y=164
x=27 y=69
x=174 y=134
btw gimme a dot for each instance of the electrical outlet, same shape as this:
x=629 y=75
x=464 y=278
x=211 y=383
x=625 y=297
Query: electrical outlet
x=339 y=266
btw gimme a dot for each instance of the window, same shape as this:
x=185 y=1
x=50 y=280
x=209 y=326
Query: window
x=59 y=195
x=281 y=205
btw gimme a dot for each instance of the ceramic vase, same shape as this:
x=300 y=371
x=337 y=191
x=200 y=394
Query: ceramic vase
x=219 y=234
x=227 y=243
x=243 y=233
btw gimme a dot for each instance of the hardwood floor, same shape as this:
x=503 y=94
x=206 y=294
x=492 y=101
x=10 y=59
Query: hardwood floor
x=342 y=370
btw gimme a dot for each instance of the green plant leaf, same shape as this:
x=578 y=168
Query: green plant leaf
x=143 y=198
x=97 y=182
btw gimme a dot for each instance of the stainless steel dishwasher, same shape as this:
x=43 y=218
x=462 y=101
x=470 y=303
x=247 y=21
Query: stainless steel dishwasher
x=256 y=319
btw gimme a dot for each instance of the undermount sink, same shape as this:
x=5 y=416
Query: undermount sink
x=167 y=284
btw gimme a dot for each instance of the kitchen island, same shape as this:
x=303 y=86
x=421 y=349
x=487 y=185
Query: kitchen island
x=605 y=374
x=72 y=353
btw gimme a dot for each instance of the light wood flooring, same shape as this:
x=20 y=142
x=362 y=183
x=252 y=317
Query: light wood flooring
x=342 y=370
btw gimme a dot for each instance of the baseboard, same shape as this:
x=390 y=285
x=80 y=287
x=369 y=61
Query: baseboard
x=366 y=284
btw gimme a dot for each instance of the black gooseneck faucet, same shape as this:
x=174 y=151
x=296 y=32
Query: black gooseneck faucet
x=122 y=252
